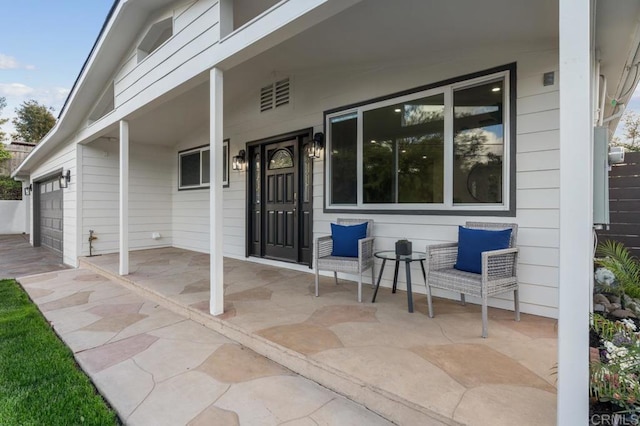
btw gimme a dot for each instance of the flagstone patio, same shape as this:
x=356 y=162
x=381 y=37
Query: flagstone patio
x=18 y=257
x=407 y=367
x=156 y=367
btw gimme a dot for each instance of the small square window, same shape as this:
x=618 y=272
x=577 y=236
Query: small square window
x=194 y=168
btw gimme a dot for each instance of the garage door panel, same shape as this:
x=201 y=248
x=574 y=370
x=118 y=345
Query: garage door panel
x=51 y=212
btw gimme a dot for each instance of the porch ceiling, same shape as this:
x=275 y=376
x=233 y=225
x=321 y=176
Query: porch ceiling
x=379 y=31
x=166 y=122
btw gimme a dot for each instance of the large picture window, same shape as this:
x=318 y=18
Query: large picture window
x=194 y=168
x=442 y=148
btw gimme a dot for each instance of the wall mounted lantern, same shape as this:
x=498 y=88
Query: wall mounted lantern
x=65 y=178
x=28 y=189
x=315 y=147
x=237 y=162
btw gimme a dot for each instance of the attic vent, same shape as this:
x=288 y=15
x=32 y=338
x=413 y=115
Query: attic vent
x=275 y=95
x=266 y=98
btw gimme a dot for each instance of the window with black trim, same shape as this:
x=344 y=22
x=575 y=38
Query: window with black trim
x=444 y=147
x=194 y=168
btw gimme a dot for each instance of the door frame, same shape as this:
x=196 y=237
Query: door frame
x=260 y=143
x=35 y=205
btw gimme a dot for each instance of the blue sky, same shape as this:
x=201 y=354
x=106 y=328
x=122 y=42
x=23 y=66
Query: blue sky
x=43 y=44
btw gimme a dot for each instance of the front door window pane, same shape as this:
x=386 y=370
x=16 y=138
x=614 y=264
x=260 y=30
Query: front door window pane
x=342 y=159
x=478 y=144
x=281 y=159
x=403 y=152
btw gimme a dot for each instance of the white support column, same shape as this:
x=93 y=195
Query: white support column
x=124 y=197
x=576 y=210
x=216 y=301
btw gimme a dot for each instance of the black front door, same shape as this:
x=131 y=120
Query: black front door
x=279 y=198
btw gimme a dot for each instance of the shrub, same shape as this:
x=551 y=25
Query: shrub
x=10 y=189
x=615 y=257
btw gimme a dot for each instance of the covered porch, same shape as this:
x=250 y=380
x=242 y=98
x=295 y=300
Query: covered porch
x=407 y=367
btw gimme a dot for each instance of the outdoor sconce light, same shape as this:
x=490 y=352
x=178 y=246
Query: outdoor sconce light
x=64 y=179
x=316 y=145
x=27 y=189
x=238 y=160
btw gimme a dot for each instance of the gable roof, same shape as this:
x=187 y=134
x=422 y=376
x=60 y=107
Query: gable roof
x=120 y=28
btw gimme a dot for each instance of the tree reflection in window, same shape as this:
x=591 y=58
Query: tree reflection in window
x=281 y=159
x=478 y=143
x=403 y=152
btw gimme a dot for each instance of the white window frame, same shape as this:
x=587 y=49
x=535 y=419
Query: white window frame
x=199 y=150
x=447 y=205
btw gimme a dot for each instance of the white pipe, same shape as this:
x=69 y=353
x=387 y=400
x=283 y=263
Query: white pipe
x=603 y=97
x=616 y=115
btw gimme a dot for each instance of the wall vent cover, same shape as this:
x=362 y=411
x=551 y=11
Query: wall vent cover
x=275 y=95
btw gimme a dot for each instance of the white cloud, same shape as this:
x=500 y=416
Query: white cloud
x=17 y=93
x=8 y=62
x=15 y=90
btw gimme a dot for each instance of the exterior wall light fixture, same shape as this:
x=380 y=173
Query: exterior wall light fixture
x=65 y=178
x=237 y=162
x=28 y=189
x=316 y=145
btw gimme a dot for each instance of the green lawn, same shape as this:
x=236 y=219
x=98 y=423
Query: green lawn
x=40 y=383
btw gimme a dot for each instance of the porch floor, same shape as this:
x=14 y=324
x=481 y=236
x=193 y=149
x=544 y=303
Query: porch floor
x=406 y=367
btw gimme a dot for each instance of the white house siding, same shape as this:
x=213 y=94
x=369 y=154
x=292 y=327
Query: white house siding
x=149 y=196
x=190 y=209
x=537 y=167
x=64 y=157
x=195 y=29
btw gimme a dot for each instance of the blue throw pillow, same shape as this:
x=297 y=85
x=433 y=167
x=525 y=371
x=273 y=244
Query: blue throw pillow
x=471 y=244
x=345 y=239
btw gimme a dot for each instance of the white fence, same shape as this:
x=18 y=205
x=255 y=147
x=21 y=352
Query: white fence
x=14 y=216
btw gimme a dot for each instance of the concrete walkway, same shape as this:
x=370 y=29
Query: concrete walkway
x=18 y=257
x=157 y=368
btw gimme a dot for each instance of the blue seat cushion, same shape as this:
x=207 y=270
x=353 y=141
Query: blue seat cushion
x=471 y=244
x=345 y=239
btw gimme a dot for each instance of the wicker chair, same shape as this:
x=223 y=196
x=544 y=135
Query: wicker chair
x=351 y=265
x=499 y=271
